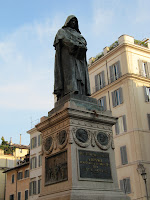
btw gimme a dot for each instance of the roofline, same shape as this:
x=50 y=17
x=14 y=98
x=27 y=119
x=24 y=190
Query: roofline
x=103 y=58
x=19 y=166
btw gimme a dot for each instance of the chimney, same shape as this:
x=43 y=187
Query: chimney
x=20 y=139
x=11 y=141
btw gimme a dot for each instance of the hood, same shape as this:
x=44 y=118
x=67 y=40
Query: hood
x=68 y=20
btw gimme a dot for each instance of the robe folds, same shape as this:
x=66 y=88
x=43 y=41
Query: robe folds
x=71 y=70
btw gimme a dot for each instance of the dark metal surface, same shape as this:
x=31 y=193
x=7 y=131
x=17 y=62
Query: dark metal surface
x=56 y=169
x=82 y=135
x=94 y=165
x=102 y=138
x=71 y=70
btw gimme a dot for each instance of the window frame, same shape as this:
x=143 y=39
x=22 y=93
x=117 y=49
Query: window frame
x=27 y=195
x=18 y=175
x=124 y=155
x=125 y=185
x=19 y=196
x=13 y=178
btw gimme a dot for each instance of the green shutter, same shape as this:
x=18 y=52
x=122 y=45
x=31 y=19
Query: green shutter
x=117 y=128
x=120 y=95
x=103 y=79
x=111 y=74
x=124 y=123
x=119 y=69
x=113 y=99
x=96 y=83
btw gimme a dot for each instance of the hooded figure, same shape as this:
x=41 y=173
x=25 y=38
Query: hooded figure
x=71 y=71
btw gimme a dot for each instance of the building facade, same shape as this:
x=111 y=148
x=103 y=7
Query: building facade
x=8 y=161
x=120 y=81
x=35 y=163
x=17 y=181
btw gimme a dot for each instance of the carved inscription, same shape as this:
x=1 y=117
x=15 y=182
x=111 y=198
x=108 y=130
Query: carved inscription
x=94 y=165
x=56 y=168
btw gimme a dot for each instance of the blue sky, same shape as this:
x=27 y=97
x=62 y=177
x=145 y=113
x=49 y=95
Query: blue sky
x=27 y=31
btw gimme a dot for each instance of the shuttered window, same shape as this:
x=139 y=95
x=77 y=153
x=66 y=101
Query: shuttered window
x=144 y=68
x=99 y=81
x=124 y=158
x=147 y=93
x=19 y=195
x=115 y=71
x=117 y=97
x=40 y=161
x=33 y=163
x=26 y=195
x=148 y=118
x=13 y=178
x=39 y=186
x=32 y=188
x=11 y=197
x=39 y=139
x=121 y=125
x=125 y=185
x=26 y=174
x=33 y=142
x=102 y=102
x=20 y=175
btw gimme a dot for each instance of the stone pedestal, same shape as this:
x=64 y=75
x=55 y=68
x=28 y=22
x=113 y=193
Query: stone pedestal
x=78 y=152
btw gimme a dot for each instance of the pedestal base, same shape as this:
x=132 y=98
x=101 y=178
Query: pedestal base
x=78 y=152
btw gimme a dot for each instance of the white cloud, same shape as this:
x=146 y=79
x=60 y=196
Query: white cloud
x=26 y=62
x=102 y=17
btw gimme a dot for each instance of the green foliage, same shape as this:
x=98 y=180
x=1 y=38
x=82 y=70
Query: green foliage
x=115 y=44
x=98 y=56
x=8 y=149
x=139 y=42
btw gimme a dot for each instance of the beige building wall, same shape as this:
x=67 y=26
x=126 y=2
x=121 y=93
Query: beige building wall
x=21 y=185
x=136 y=137
x=9 y=161
x=35 y=168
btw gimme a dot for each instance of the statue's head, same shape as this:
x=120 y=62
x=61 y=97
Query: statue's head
x=72 y=22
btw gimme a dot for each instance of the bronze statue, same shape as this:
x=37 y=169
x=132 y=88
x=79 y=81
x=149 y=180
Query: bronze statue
x=71 y=71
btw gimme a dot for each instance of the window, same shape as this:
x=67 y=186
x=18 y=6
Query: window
x=26 y=174
x=117 y=97
x=115 y=71
x=33 y=163
x=125 y=185
x=148 y=117
x=19 y=195
x=40 y=160
x=144 y=68
x=39 y=186
x=26 y=194
x=32 y=186
x=147 y=93
x=11 y=197
x=20 y=150
x=19 y=176
x=102 y=102
x=33 y=142
x=124 y=159
x=99 y=81
x=121 y=125
x=39 y=139
x=13 y=178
